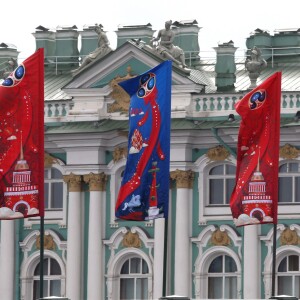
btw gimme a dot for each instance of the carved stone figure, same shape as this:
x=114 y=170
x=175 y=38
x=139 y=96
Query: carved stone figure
x=11 y=64
x=165 y=47
x=103 y=49
x=255 y=65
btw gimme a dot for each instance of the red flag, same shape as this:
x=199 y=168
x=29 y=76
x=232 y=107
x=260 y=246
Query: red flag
x=22 y=140
x=254 y=199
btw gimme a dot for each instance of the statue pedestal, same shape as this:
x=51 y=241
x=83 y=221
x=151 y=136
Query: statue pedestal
x=253 y=78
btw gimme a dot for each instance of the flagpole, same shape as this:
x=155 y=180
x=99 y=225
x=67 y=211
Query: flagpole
x=274 y=259
x=42 y=258
x=165 y=259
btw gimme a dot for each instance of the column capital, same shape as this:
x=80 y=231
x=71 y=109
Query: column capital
x=96 y=182
x=184 y=179
x=74 y=182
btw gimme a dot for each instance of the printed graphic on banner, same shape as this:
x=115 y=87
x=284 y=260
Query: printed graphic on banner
x=144 y=191
x=22 y=140
x=255 y=197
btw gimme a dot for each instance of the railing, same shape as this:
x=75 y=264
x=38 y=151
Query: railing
x=55 y=111
x=208 y=105
x=216 y=105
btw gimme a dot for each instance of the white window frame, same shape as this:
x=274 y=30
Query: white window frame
x=206 y=213
x=115 y=170
x=289 y=209
x=281 y=252
x=53 y=216
x=222 y=274
x=32 y=258
x=117 y=260
x=207 y=254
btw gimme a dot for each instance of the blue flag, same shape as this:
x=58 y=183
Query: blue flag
x=144 y=191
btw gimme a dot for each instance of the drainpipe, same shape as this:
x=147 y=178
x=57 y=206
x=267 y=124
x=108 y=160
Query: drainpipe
x=215 y=133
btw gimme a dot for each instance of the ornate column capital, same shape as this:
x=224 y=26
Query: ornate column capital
x=74 y=182
x=184 y=179
x=96 y=182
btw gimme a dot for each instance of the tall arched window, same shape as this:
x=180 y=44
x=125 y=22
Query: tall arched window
x=222 y=278
x=221 y=181
x=134 y=279
x=289 y=182
x=288 y=276
x=52 y=279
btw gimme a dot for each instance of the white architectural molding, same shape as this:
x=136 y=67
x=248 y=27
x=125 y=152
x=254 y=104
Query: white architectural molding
x=281 y=252
x=202 y=166
x=116 y=262
x=31 y=259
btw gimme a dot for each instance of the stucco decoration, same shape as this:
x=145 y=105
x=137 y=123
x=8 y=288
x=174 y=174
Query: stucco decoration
x=49 y=160
x=288 y=152
x=49 y=243
x=289 y=237
x=122 y=99
x=131 y=239
x=119 y=153
x=218 y=153
x=220 y=238
x=97 y=182
x=184 y=179
x=74 y=182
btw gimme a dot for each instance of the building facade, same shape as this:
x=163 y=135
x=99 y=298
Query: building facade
x=91 y=255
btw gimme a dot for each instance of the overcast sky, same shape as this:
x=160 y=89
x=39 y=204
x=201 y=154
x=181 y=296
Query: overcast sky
x=220 y=21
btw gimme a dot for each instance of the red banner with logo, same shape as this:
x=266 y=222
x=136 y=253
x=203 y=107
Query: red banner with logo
x=254 y=199
x=22 y=140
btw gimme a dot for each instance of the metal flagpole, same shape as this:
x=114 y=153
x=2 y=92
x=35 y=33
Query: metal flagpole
x=42 y=258
x=274 y=258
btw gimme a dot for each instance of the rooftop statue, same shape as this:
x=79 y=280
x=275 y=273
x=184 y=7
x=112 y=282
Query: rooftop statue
x=165 y=47
x=103 y=49
x=255 y=65
x=11 y=64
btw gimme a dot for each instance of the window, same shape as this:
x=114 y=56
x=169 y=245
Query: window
x=221 y=181
x=53 y=189
x=288 y=276
x=289 y=182
x=222 y=278
x=134 y=279
x=52 y=283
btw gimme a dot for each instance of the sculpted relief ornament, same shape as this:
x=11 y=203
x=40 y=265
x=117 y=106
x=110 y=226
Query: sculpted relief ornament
x=122 y=99
x=218 y=153
x=220 y=238
x=131 y=240
x=289 y=237
x=289 y=152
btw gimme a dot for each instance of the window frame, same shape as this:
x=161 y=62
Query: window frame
x=53 y=216
x=289 y=273
x=223 y=275
x=202 y=166
x=48 y=278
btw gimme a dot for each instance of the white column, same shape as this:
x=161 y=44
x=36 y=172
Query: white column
x=7 y=260
x=158 y=266
x=182 y=276
x=95 y=276
x=74 y=250
x=251 y=262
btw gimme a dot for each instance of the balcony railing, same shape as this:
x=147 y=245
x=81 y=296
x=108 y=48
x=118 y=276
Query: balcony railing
x=204 y=106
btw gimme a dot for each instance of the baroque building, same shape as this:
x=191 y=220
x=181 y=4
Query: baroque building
x=91 y=255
